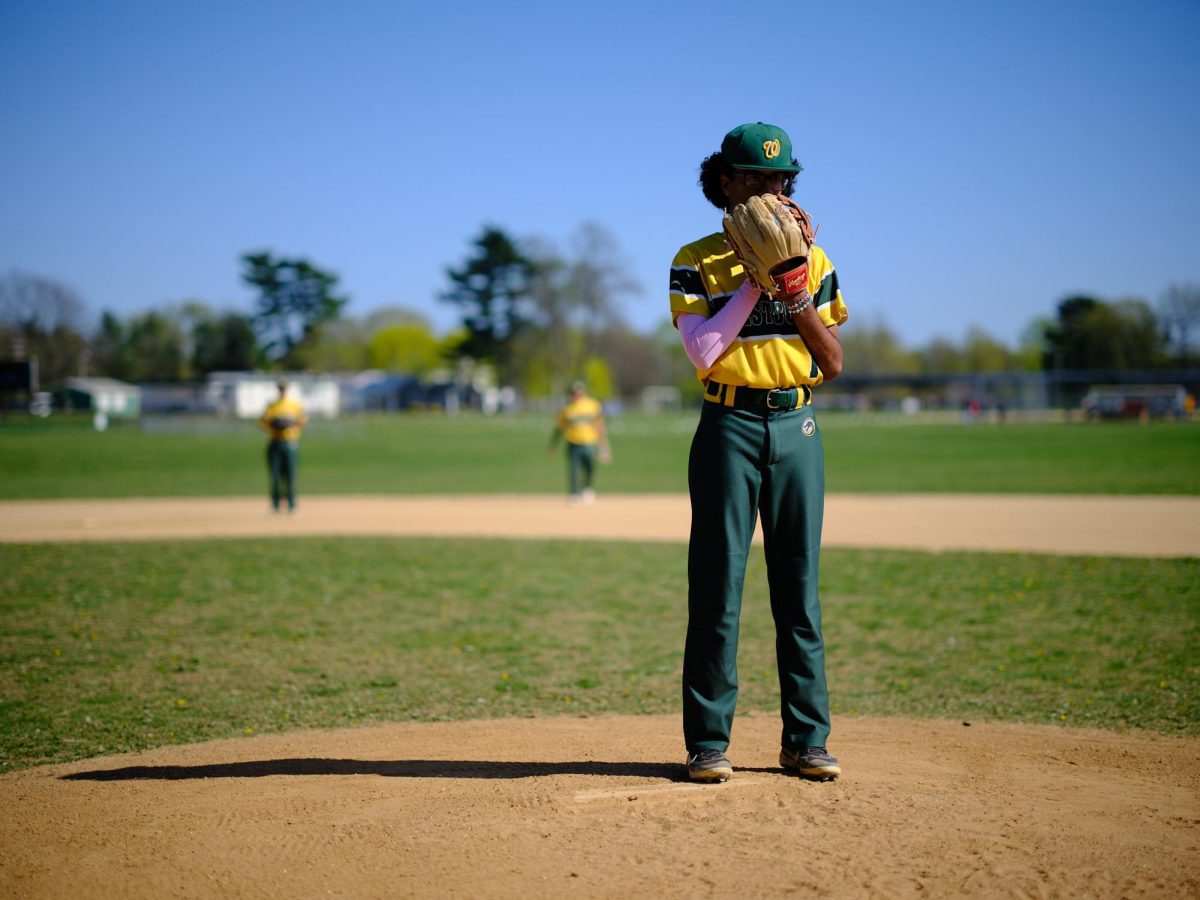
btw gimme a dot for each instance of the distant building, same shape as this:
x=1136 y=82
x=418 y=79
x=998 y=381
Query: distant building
x=244 y=395
x=173 y=398
x=115 y=399
x=377 y=391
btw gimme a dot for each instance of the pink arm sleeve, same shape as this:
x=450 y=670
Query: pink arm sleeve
x=704 y=340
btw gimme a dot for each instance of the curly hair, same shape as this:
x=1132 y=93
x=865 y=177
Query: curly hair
x=715 y=166
x=711 y=171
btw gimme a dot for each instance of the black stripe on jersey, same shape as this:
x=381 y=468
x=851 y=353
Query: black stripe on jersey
x=768 y=318
x=687 y=281
x=829 y=289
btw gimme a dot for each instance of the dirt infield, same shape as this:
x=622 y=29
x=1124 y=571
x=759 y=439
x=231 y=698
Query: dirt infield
x=1120 y=526
x=595 y=807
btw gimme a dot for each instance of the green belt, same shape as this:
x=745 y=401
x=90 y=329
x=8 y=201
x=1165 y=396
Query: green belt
x=761 y=399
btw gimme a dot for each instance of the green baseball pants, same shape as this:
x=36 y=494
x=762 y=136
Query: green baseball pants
x=745 y=464
x=581 y=466
x=281 y=463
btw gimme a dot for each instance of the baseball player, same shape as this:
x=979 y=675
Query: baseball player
x=762 y=333
x=581 y=424
x=284 y=420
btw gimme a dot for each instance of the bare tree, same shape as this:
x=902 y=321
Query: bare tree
x=552 y=314
x=598 y=277
x=574 y=305
x=1179 y=311
x=43 y=319
x=39 y=304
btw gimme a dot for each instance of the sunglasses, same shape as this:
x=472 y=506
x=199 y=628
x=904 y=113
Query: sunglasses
x=757 y=180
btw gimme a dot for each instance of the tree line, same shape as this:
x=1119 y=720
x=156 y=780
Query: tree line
x=535 y=315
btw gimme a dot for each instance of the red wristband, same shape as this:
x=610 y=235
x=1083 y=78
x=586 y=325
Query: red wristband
x=791 y=277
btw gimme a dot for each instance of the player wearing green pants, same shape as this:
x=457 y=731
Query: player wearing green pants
x=756 y=454
x=284 y=419
x=580 y=423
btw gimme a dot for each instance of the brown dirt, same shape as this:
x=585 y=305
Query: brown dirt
x=596 y=807
x=1121 y=526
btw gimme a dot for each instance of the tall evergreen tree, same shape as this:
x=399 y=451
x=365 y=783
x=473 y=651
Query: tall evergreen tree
x=491 y=289
x=295 y=299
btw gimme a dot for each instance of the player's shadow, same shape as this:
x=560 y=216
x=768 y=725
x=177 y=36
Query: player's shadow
x=404 y=768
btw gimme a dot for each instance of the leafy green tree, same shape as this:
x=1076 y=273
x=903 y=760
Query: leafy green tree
x=149 y=347
x=222 y=342
x=383 y=316
x=872 y=348
x=1090 y=334
x=404 y=348
x=295 y=299
x=337 y=346
x=983 y=353
x=449 y=346
x=154 y=343
x=1032 y=344
x=491 y=289
x=1068 y=344
x=677 y=370
x=109 y=350
x=597 y=375
x=942 y=357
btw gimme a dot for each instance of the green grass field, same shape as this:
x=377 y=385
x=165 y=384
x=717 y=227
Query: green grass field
x=472 y=454
x=118 y=647
x=123 y=646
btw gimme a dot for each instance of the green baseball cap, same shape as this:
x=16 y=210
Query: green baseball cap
x=759 y=147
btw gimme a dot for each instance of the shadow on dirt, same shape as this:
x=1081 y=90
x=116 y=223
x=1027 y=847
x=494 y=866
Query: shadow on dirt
x=408 y=768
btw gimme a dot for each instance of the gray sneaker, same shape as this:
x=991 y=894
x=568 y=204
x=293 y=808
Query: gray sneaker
x=813 y=762
x=709 y=765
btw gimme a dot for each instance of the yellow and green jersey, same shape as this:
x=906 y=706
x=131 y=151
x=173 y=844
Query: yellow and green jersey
x=577 y=421
x=768 y=352
x=284 y=418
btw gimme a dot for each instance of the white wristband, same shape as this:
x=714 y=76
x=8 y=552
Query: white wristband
x=798 y=303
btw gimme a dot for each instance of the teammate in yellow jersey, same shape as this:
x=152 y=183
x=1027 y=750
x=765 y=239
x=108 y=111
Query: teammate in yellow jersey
x=756 y=454
x=581 y=425
x=283 y=419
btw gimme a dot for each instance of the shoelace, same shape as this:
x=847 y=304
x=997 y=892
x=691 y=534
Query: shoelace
x=706 y=755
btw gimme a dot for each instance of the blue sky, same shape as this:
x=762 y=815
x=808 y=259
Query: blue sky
x=968 y=163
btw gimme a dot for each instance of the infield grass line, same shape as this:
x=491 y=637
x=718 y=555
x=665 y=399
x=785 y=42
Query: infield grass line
x=115 y=647
x=472 y=454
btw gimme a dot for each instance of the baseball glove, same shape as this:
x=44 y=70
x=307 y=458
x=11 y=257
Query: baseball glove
x=771 y=235
x=280 y=423
x=801 y=216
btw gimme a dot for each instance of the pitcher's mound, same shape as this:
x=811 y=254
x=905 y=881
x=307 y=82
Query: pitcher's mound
x=598 y=807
